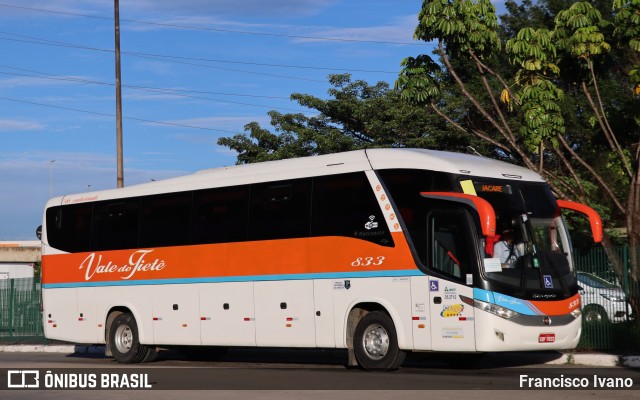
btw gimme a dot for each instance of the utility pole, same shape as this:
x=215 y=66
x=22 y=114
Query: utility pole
x=120 y=180
x=51 y=177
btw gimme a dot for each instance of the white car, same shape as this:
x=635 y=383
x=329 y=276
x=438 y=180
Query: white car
x=602 y=301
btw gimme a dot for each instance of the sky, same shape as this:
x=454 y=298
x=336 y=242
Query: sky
x=192 y=71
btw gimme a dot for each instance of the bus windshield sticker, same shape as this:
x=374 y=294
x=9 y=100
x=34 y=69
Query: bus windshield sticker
x=492 y=265
x=468 y=188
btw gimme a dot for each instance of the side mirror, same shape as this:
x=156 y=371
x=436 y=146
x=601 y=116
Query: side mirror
x=485 y=211
x=594 y=218
x=39 y=232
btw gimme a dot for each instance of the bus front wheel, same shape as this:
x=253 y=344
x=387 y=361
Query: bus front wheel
x=125 y=344
x=375 y=343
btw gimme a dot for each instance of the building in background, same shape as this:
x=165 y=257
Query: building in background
x=18 y=259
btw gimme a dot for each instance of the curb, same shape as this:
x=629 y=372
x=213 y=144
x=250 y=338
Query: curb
x=631 y=361
x=597 y=360
x=55 y=348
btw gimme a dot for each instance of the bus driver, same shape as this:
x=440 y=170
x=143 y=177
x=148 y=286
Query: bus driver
x=506 y=250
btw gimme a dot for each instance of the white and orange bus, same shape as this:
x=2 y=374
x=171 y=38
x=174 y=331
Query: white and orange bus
x=377 y=251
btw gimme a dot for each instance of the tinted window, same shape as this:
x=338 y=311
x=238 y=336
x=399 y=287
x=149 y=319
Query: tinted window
x=115 y=225
x=539 y=200
x=165 y=220
x=450 y=246
x=345 y=205
x=405 y=186
x=220 y=215
x=280 y=210
x=69 y=227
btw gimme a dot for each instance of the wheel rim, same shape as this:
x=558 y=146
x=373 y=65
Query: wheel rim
x=594 y=316
x=123 y=338
x=375 y=341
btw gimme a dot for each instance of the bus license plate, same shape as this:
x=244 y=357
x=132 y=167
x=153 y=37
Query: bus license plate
x=547 y=338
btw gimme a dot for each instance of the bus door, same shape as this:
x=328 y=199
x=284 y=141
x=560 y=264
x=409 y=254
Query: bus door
x=450 y=261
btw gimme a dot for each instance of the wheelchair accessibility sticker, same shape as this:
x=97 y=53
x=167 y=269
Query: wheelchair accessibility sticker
x=548 y=282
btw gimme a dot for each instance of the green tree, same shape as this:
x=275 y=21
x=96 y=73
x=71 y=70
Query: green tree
x=463 y=29
x=627 y=20
x=534 y=53
x=356 y=116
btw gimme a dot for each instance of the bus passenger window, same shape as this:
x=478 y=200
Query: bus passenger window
x=165 y=220
x=345 y=205
x=69 y=227
x=220 y=215
x=280 y=210
x=115 y=225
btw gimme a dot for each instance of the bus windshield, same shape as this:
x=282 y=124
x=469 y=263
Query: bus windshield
x=530 y=256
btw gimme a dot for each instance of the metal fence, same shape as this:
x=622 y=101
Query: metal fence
x=608 y=323
x=608 y=319
x=20 y=314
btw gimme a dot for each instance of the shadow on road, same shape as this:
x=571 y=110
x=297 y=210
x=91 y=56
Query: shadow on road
x=200 y=356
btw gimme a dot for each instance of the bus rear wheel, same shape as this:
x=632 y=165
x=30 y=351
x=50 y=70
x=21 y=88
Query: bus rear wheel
x=375 y=343
x=125 y=344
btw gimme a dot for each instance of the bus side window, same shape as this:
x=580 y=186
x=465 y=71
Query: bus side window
x=69 y=227
x=345 y=205
x=220 y=215
x=165 y=220
x=449 y=250
x=115 y=225
x=280 y=210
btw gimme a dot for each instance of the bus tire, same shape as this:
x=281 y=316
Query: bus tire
x=375 y=343
x=124 y=343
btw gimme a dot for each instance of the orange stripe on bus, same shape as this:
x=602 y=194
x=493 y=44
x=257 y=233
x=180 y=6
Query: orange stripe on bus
x=273 y=257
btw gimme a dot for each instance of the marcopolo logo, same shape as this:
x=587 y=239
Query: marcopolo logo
x=371 y=224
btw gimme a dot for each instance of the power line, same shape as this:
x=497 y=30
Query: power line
x=37 y=40
x=160 y=58
x=141 y=55
x=168 y=90
x=113 y=116
x=191 y=27
x=147 y=89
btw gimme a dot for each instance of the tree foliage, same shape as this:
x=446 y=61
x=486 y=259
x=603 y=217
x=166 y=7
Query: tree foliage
x=627 y=22
x=357 y=115
x=533 y=51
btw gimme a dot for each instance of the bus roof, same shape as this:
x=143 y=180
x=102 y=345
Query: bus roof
x=352 y=161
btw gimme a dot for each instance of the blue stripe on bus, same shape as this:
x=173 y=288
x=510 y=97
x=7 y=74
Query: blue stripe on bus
x=257 y=278
x=518 y=305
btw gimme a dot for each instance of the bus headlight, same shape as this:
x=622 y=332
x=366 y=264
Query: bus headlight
x=575 y=313
x=495 y=309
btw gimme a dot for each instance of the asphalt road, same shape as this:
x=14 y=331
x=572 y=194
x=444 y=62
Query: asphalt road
x=314 y=374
